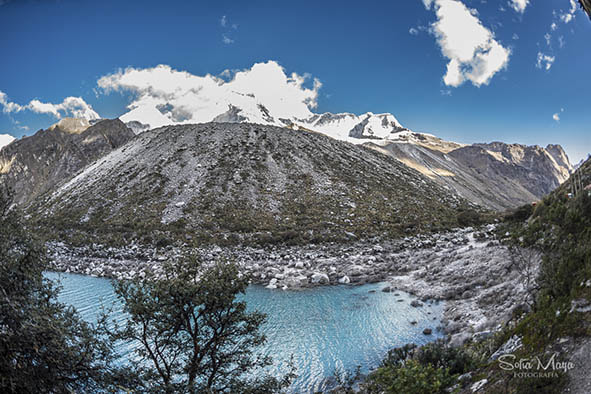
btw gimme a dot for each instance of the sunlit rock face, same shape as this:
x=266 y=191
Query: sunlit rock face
x=35 y=164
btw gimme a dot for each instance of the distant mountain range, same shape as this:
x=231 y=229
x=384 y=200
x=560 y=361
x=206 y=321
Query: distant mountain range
x=495 y=175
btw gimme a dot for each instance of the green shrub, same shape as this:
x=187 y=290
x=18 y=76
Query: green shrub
x=468 y=218
x=410 y=378
x=441 y=355
x=520 y=214
x=428 y=369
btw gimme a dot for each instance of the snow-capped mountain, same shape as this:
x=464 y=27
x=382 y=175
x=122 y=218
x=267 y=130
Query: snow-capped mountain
x=246 y=109
x=495 y=175
x=353 y=128
x=5 y=139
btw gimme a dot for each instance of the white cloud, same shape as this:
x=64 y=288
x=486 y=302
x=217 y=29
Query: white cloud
x=71 y=106
x=545 y=61
x=556 y=116
x=569 y=15
x=553 y=26
x=519 y=5
x=227 y=40
x=224 y=21
x=473 y=53
x=167 y=96
x=413 y=31
x=515 y=36
x=8 y=106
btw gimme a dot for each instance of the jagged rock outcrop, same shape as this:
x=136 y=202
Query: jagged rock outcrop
x=228 y=182
x=33 y=165
x=496 y=175
x=533 y=167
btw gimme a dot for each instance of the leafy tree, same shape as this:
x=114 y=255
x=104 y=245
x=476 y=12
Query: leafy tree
x=44 y=345
x=195 y=335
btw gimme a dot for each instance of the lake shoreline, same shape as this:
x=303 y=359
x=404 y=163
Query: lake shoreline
x=467 y=268
x=328 y=327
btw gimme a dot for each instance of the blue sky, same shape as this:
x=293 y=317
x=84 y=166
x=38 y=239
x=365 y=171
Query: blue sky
x=373 y=56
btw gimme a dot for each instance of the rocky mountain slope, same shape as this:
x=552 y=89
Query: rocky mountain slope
x=33 y=165
x=496 y=175
x=224 y=182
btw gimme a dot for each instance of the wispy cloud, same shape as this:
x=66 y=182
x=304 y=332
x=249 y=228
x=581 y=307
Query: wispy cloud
x=230 y=29
x=545 y=61
x=473 y=52
x=227 y=40
x=562 y=17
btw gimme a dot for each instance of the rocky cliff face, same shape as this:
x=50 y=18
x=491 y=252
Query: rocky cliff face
x=35 y=164
x=495 y=175
x=532 y=166
x=227 y=182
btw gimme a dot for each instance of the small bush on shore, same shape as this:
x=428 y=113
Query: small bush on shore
x=428 y=369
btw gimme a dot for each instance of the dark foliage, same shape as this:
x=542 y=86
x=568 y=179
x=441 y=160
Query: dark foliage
x=520 y=214
x=195 y=335
x=44 y=345
x=428 y=369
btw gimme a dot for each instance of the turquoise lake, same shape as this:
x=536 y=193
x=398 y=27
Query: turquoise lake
x=325 y=328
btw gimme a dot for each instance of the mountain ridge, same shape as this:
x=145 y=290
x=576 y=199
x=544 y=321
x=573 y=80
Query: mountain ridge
x=508 y=183
x=237 y=182
x=33 y=165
